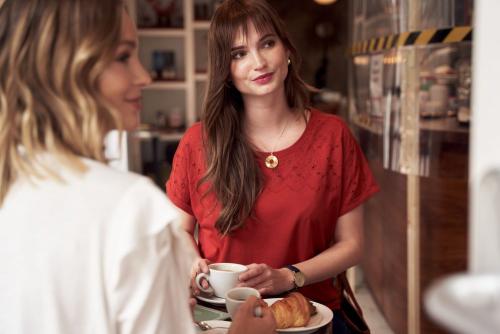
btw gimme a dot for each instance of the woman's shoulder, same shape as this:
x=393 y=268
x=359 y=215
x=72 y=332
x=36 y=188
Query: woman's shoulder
x=103 y=183
x=331 y=121
x=193 y=134
x=112 y=181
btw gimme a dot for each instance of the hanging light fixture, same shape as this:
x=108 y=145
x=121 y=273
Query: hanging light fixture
x=325 y=2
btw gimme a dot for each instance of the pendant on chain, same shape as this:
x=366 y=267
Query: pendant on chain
x=271 y=161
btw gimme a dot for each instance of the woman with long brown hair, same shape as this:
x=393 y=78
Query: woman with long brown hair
x=268 y=181
x=83 y=248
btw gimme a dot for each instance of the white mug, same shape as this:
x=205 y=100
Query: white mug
x=237 y=296
x=222 y=277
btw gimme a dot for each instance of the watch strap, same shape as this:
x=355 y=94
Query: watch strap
x=293 y=268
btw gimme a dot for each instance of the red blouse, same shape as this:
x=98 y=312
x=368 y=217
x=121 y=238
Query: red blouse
x=319 y=178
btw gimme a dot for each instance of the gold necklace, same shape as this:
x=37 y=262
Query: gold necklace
x=272 y=160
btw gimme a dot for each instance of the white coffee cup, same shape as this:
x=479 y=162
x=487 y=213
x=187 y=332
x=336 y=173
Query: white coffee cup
x=222 y=277
x=235 y=297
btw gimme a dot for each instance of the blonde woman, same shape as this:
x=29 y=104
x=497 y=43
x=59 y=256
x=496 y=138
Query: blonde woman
x=83 y=248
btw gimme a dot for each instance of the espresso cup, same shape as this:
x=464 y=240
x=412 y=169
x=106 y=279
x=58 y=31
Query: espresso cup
x=221 y=278
x=235 y=297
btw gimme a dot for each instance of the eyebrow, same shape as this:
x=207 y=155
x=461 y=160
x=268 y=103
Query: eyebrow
x=128 y=42
x=239 y=47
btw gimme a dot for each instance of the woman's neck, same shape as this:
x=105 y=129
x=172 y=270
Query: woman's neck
x=270 y=124
x=266 y=113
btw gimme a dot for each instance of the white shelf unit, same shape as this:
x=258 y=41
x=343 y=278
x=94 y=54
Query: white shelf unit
x=186 y=49
x=186 y=92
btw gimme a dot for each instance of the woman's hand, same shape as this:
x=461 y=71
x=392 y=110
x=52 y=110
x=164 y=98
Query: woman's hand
x=267 y=280
x=245 y=321
x=192 y=305
x=199 y=266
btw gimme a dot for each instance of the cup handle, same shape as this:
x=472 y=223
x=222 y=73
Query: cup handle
x=198 y=282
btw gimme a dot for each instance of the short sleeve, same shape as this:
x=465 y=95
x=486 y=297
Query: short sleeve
x=177 y=186
x=148 y=259
x=357 y=179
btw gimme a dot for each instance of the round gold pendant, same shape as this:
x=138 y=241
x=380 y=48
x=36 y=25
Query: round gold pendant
x=271 y=161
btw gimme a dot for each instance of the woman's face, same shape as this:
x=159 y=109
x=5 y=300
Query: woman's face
x=122 y=81
x=259 y=63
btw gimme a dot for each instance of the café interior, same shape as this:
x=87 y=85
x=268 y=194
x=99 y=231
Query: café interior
x=415 y=80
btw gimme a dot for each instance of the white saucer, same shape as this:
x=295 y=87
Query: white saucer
x=211 y=299
x=218 y=323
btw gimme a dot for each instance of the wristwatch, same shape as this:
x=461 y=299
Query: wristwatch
x=298 y=276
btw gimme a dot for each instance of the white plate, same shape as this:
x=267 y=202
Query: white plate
x=323 y=316
x=211 y=299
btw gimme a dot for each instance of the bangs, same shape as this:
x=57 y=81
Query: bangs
x=236 y=19
x=262 y=25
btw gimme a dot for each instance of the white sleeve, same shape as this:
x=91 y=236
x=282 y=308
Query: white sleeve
x=149 y=258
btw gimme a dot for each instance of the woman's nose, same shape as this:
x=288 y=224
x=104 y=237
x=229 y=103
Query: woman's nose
x=259 y=61
x=142 y=77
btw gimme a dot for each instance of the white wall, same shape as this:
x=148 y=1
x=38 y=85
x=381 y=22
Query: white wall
x=484 y=237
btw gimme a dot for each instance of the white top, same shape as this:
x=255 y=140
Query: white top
x=97 y=254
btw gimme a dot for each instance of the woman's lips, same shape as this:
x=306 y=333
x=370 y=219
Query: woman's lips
x=263 y=79
x=136 y=103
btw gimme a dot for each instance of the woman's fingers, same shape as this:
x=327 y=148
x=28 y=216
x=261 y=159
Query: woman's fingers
x=254 y=270
x=260 y=277
x=203 y=266
x=266 y=280
x=200 y=266
x=255 y=282
x=248 y=307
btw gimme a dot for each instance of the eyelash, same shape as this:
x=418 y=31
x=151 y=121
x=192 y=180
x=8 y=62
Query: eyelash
x=269 y=43
x=123 y=58
x=240 y=54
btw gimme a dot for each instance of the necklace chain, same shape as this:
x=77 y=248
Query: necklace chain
x=271 y=160
x=279 y=137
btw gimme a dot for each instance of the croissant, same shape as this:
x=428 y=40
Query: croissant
x=295 y=310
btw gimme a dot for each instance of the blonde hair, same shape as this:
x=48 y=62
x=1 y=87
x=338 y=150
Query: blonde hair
x=51 y=56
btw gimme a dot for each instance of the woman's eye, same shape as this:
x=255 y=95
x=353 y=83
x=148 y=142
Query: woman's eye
x=238 y=55
x=123 y=58
x=269 y=43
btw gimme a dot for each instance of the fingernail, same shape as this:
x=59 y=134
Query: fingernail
x=258 y=311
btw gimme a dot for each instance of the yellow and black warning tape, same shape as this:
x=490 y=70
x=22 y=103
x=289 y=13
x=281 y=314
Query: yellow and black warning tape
x=423 y=37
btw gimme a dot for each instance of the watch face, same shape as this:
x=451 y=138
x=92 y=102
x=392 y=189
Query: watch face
x=299 y=279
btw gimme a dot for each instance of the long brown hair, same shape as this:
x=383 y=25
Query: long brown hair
x=51 y=56
x=232 y=171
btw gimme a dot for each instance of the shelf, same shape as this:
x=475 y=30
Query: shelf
x=201 y=25
x=368 y=124
x=159 y=85
x=444 y=124
x=158 y=134
x=188 y=43
x=162 y=32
